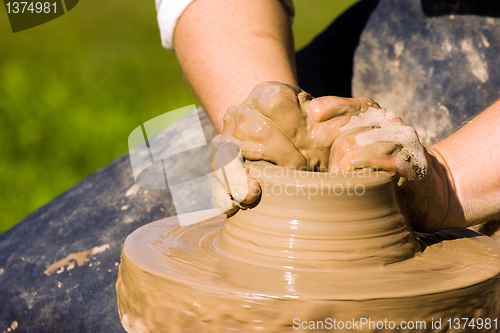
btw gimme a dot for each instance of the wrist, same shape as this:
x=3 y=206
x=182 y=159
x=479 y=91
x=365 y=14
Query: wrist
x=453 y=213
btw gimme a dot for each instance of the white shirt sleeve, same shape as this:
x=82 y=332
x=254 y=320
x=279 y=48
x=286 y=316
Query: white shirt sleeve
x=169 y=12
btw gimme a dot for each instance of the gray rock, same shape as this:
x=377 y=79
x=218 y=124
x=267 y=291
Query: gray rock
x=436 y=71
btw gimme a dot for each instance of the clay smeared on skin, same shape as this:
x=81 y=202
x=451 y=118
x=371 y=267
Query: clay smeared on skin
x=275 y=124
x=286 y=126
x=387 y=126
x=309 y=255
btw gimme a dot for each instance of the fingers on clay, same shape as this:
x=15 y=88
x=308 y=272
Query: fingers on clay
x=345 y=142
x=304 y=97
x=251 y=125
x=329 y=107
x=229 y=122
x=279 y=152
x=341 y=147
x=223 y=153
x=229 y=169
x=364 y=103
x=229 y=118
x=381 y=155
x=374 y=118
x=233 y=185
x=236 y=179
x=411 y=161
x=260 y=139
x=280 y=104
x=222 y=198
x=254 y=190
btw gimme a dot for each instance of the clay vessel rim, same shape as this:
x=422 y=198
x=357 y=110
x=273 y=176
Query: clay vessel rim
x=270 y=173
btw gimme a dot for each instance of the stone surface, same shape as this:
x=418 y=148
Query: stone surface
x=429 y=62
x=95 y=216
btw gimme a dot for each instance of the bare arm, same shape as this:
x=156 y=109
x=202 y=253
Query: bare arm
x=227 y=47
x=472 y=155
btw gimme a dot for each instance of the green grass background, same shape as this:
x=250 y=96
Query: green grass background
x=73 y=89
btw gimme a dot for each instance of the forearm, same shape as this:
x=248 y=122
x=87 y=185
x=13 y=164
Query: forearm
x=472 y=155
x=226 y=47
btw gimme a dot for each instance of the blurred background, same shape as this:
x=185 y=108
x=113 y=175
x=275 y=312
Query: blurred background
x=73 y=89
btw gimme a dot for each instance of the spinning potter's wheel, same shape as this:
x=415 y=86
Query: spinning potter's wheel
x=316 y=246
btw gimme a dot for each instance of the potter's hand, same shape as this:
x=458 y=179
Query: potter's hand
x=379 y=138
x=233 y=187
x=284 y=125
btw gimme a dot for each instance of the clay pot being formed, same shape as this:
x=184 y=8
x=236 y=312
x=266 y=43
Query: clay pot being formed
x=323 y=251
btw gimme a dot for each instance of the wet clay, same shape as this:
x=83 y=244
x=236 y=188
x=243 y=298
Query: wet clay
x=79 y=257
x=316 y=246
x=286 y=126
